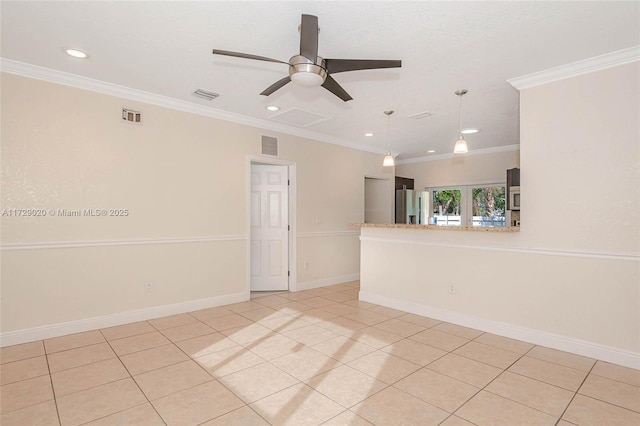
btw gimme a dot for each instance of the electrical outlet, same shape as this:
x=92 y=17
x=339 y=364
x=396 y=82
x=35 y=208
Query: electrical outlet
x=452 y=288
x=148 y=287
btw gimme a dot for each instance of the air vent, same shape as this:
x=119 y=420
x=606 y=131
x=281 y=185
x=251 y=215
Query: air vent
x=269 y=146
x=133 y=117
x=419 y=115
x=205 y=94
x=298 y=117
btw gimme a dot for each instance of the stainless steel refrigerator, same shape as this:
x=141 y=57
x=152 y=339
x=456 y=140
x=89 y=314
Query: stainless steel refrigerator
x=412 y=206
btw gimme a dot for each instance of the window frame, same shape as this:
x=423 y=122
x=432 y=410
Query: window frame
x=463 y=196
x=466 y=199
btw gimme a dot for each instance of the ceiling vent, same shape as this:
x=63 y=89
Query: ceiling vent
x=419 y=115
x=205 y=94
x=130 y=116
x=298 y=117
x=269 y=146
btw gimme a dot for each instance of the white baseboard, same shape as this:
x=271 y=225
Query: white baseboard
x=54 y=330
x=308 y=285
x=537 y=337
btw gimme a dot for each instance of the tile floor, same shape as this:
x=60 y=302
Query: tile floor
x=307 y=358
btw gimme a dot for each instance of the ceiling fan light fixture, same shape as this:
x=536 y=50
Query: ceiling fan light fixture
x=305 y=73
x=307 y=79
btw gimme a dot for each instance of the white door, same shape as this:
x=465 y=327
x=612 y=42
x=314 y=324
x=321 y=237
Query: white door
x=269 y=228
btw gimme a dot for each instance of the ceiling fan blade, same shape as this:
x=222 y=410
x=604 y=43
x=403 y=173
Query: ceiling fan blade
x=331 y=85
x=309 y=37
x=342 y=65
x=275 y=86
x=246 y=56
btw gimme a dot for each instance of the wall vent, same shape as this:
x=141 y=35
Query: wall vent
x=269 y=146
x=133 y=117
x=205 y=94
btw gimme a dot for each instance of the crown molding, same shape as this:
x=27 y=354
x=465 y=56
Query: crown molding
x=485 y=151
x=98 y=86
x=608 y=60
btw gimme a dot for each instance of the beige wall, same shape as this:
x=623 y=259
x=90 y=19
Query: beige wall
x=487 y=167
x=571 y=277
x=580 y=155
x=183 y=178
x=379 y=200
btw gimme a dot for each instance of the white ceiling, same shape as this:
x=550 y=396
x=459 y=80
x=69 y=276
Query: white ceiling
x=165 y=48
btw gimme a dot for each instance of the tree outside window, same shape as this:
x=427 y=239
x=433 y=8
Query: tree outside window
x=447 y=205
x=488 y=206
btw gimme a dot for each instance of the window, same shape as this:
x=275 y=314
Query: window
x=488 y=206
x=447 y=205
x=472 y=205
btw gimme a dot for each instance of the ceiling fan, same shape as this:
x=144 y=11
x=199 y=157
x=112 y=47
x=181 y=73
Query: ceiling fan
x=309 y=69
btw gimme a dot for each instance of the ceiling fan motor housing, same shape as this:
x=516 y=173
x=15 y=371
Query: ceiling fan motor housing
x=305 y=72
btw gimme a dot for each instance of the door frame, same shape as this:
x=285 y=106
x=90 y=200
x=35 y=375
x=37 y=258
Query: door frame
x=291 y=172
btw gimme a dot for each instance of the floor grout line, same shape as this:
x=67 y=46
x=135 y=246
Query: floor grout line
x=296 y=315
x=135 y=382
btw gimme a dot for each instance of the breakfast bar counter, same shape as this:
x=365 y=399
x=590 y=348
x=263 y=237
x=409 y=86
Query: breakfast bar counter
x=437 y=228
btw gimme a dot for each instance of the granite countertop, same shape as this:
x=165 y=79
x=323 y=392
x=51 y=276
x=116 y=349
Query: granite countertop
x=506 y=229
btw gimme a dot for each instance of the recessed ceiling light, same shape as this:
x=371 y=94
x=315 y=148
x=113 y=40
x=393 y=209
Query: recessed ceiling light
x=431 y=151
x=273 y=108
x=469 y=131
x=76 y=53
x=368 y=134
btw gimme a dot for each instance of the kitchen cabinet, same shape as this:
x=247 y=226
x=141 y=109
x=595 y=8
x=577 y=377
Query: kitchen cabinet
x=404 y=183
x=513 y=177
x=513 y=181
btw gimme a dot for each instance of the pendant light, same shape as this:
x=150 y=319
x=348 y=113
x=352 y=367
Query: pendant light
x=388 y=159
x=461 y=145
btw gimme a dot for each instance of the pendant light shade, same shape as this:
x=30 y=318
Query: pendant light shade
x=461 y=145
x=388 y=159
